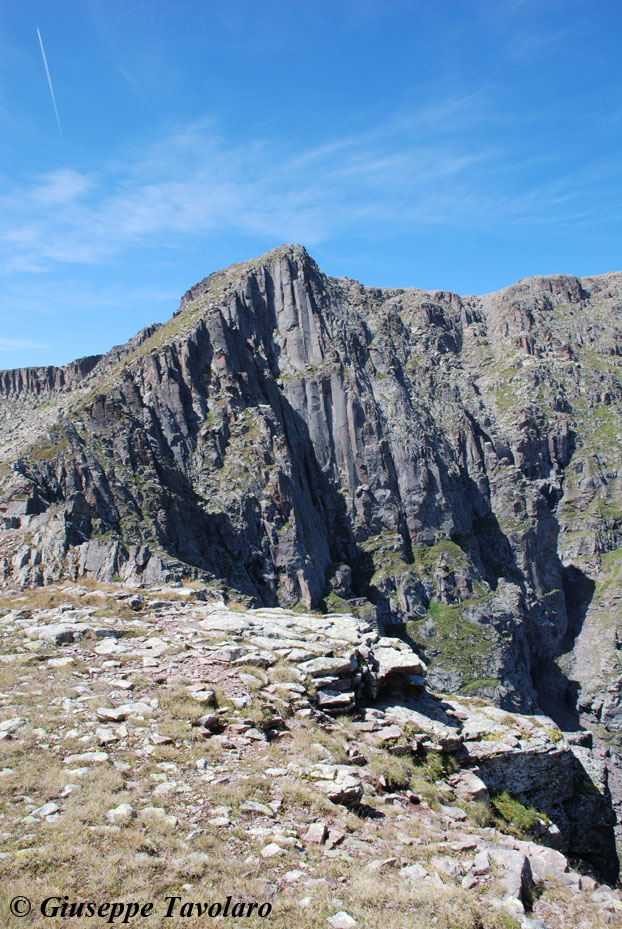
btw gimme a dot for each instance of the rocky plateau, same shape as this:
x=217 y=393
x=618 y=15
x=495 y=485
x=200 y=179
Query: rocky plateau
x=165 y=740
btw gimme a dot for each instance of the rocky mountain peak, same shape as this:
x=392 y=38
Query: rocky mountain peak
x=296 y=255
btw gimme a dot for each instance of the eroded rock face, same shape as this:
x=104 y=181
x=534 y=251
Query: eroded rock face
x=450 y=463
x=556 y=783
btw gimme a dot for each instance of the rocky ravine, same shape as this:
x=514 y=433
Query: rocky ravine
x=446 y=467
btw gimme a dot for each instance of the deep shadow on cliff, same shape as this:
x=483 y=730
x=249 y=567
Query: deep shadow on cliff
x=557 y=694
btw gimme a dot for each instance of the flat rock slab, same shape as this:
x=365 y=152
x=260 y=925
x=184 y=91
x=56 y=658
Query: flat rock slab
x=316 y=833
x=62 y=633
x=12 y=725
x=86 y=758
x=393 y=657
x=325 y=667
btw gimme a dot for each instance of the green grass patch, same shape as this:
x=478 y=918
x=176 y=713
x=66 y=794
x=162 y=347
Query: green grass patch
x=480 y=683
x=429 y=556
x=457 y=644
x=521 y=819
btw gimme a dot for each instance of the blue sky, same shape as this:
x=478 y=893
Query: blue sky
x=445 y=144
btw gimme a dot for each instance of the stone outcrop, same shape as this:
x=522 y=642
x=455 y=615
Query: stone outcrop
x=448 y=467
x=36 y=381
x=299 y=663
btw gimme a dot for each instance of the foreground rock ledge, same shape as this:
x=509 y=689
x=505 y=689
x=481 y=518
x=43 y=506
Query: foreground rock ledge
x=309 y=665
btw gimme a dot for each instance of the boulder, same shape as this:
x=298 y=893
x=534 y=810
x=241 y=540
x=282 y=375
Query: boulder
x=394 y=659
x=316 y=833
x=62 y=633
x=516 y=879
x=469 y=786
x=121 y=815
x=346 y=791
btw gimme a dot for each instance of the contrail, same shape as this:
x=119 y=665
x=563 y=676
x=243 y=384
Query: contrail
x=47 y=71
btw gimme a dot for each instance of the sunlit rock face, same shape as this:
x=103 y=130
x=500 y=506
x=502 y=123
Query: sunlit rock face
x=448 y=467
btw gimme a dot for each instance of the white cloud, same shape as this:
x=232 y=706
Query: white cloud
x=441 y=164
x=60 y=187
x=9 y=345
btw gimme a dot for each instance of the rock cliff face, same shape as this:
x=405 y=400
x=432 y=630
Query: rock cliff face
x=447 y=466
